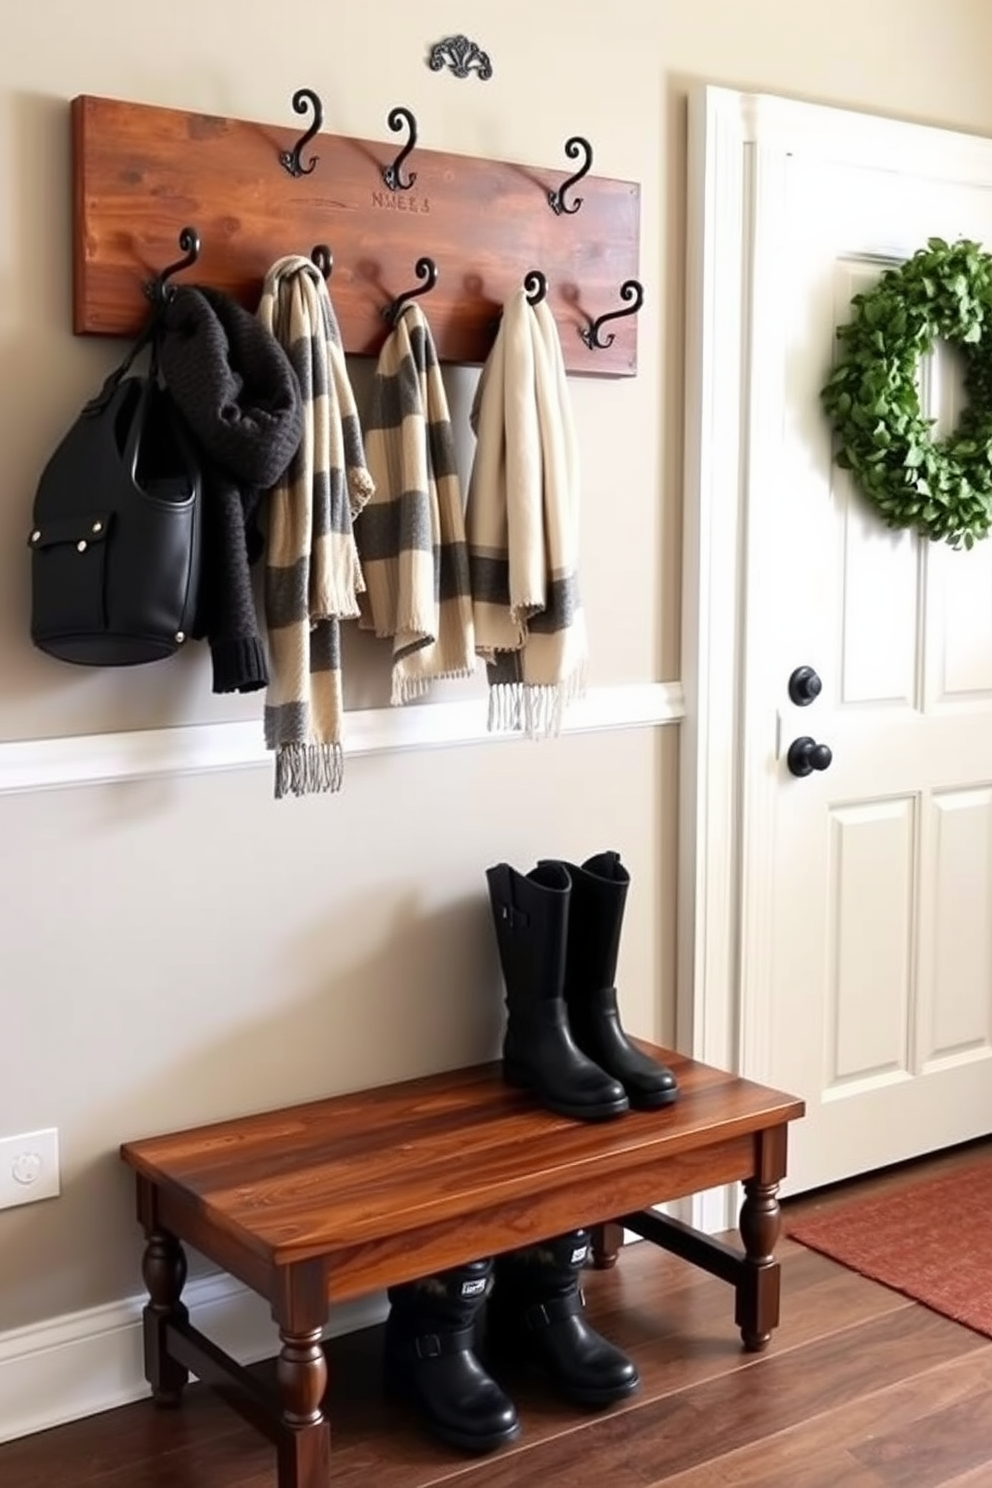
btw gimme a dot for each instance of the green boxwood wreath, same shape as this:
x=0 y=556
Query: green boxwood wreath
x=943 y=488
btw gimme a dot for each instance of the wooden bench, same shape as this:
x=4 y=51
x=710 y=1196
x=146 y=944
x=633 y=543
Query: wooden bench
x=336 y=1198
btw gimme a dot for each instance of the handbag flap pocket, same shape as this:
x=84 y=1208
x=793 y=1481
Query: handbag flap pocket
x=68 y=587
x=79 y=531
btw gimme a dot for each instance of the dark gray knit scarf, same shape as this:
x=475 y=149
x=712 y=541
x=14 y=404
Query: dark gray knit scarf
x=233 y=384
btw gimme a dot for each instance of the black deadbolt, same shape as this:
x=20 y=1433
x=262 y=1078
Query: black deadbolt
x=804 y=686
x=805 y=756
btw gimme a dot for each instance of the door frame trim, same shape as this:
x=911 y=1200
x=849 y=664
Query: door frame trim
x=712 y=566
x=713 y=576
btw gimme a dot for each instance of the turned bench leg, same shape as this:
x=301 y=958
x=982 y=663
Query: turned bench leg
x=304 y=1444
x=303 y=1436
x=607 y=1240
x=759 y=1284
x=164 y=1272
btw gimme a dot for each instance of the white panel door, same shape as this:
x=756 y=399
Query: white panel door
x=866 y=910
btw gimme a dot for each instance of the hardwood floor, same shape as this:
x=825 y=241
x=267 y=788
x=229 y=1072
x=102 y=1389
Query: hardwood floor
x=860 y=1388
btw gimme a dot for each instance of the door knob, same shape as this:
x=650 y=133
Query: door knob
x=804 y=686
x=805 y=756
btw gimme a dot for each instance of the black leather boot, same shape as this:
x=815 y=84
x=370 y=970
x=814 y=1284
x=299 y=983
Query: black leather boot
x=537 y=1313
x=429 y=1359
x=531 y=912
x=599 y=893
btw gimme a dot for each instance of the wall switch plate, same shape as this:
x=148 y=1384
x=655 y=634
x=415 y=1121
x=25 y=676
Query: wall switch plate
x=29 y=1168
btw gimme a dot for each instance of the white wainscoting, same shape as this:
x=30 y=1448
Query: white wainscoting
x=98 y=759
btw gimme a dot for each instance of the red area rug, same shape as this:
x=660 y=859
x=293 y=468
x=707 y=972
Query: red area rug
x=931 y=1240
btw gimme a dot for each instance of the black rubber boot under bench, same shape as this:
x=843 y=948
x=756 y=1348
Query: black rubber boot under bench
x=430 y=1359
x=537 y=1313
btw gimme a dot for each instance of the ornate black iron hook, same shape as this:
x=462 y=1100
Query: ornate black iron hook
x=573 y=148
x=630 y=289
x=426 y=269
x=324 y=259
x=303 y=99
x=393 y=174
x=536 y=285
x=158 y=290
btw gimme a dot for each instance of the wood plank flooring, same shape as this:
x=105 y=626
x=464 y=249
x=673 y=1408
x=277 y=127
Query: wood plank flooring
x=860 y=1388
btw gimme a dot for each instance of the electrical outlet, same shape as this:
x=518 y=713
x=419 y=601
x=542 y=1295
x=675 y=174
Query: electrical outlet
x=29 y=1168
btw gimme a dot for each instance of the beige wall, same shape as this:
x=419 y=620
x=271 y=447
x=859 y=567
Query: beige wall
x=187 y=949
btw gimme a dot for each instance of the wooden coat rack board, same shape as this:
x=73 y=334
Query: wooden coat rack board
x=141 y=174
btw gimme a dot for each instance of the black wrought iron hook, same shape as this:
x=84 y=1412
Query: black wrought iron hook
x=303 y=99
x=630 y=289
x=556 y=199
x=536 y=286
x=426 y=269
x=158 y=290
x=324 y=259
x=393 y=174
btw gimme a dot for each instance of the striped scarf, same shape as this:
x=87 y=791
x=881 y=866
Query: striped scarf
x=523 y=526
x=312 y=574
x=412 y=534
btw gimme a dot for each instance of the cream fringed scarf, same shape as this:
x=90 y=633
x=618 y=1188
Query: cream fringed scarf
x=522 y=518
x=412 y=535
x=312 y=574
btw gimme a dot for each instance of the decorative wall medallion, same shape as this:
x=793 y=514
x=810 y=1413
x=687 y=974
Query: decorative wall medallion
x=463 y=57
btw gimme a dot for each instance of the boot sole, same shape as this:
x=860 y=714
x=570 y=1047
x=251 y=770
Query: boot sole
x=516 y=1077
x=511 y=1349
x=478 y=1446
x=653 y=1102
x=594 y=1398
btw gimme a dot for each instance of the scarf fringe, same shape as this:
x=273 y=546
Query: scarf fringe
x=409 y=689
x=531 y=708
x=308 y=769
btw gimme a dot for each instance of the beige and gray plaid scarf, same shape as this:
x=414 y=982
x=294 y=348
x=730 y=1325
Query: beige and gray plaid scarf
x=312 y=573
x=412 y=534
x=522 y=518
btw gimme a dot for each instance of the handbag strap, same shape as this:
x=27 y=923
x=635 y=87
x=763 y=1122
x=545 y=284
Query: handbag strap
x=148 y=335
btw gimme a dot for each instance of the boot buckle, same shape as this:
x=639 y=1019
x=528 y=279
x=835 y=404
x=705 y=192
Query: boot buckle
x=433 y=1345
x=537 y=1316
x=543 y=1314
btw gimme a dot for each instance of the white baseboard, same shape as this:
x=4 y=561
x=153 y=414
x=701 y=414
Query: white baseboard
x=141 y=754
x=86 y=1362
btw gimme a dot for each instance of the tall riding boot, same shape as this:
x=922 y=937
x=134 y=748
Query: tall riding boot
x=537 y=1313
x=531 y=912
x=430 y=1359
x=599 y=893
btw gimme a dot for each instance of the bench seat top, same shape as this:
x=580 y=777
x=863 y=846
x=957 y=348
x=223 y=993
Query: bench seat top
x=356 y=1168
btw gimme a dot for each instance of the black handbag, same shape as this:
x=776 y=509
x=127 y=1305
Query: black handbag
x=115 y=536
